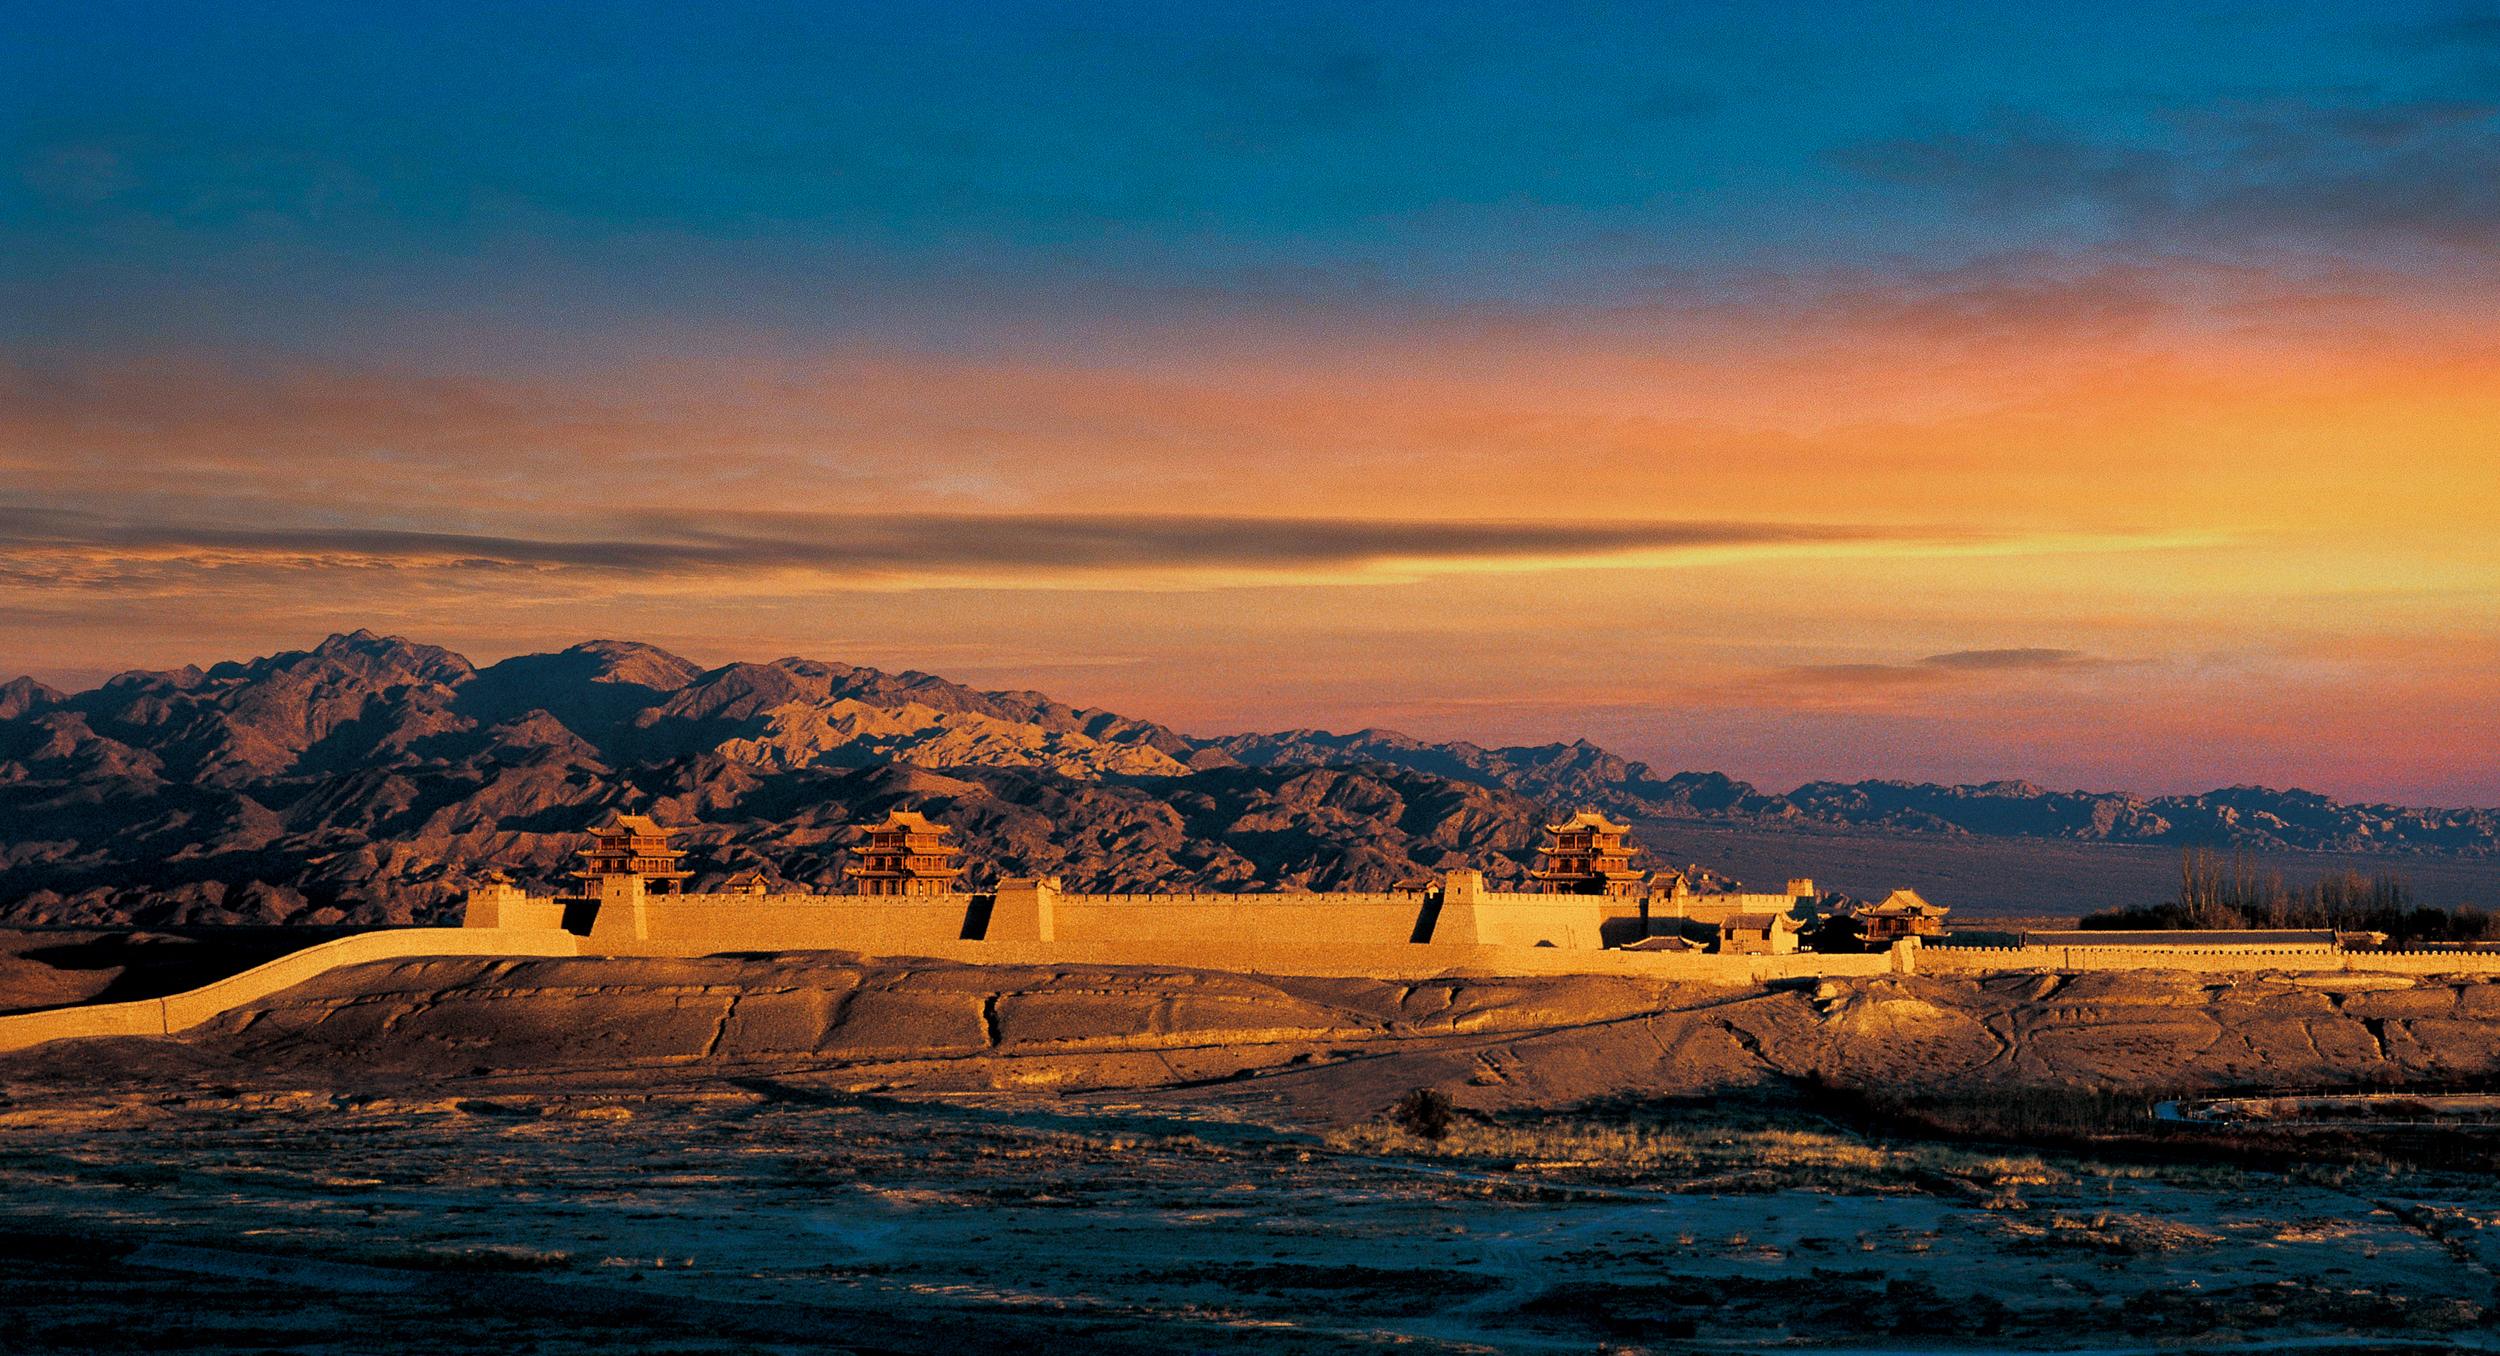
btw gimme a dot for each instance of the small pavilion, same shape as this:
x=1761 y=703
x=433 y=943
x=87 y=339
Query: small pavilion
x=1901 y=914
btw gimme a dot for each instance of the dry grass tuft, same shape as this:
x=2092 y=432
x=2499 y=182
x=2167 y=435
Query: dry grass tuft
x=1705 y=1153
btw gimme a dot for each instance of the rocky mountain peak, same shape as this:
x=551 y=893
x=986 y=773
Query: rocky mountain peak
x=367 y=652
x=631 y=661
x=179 y=680
x=19 y=696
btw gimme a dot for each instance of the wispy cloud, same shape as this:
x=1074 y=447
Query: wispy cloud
x=1955 y=668
x=1985 y=661
x=2251 y=172
x=891 y=549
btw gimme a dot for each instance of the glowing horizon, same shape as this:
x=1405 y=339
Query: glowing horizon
x=2106 y=401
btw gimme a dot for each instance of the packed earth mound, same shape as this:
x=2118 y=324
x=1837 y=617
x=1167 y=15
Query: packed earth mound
x=1328 y=1051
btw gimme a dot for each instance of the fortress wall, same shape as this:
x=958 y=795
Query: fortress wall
x=1336 y=934
x=145 y=1017
x=536 y=913
x=1283 y=933
x=1416 y=962
x=632 y=923
x=1957 y=960
x=189 y=1009
x=1716 y=909
x=696 y=924
x=1813 y=965
x=2423 y=962
x=1409 y=962
x=1238 y=920
x=1563 y=922
x=507 y=907
x=182 y=1011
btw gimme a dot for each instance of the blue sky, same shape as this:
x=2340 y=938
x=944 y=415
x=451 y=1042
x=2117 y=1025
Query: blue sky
x=259 y=172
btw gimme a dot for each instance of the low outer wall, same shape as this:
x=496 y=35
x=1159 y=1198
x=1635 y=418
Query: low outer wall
x=1972 y=960
x=1432 y=962
x=182 y=1011
x=2424 y=962
x=1316 y=958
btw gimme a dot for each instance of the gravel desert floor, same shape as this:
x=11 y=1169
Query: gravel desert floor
x=573 y=1156
x=781 y=1214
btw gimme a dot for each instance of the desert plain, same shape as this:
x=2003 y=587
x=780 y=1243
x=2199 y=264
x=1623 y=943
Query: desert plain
x=822 y=1152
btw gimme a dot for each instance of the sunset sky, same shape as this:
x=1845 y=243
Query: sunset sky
x=2105 y=395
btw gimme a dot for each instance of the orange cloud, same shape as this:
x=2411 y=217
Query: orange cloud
x=2267 y=497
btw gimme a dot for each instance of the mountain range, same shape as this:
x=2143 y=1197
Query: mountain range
x=372 y=778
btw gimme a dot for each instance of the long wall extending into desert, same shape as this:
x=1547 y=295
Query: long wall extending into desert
x=1457 y=926
x=625 y=918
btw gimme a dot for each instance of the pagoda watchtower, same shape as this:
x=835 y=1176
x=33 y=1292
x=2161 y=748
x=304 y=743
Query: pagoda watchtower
x=1586 y=855
x=635 y=845
x=906 y=855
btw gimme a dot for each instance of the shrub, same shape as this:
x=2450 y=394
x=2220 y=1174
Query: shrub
x=1425 y=1113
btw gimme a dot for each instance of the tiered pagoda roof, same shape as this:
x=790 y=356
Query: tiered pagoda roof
x=635 y=845
x=908 y=854
x=1904 y=904
x=1587 y=855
